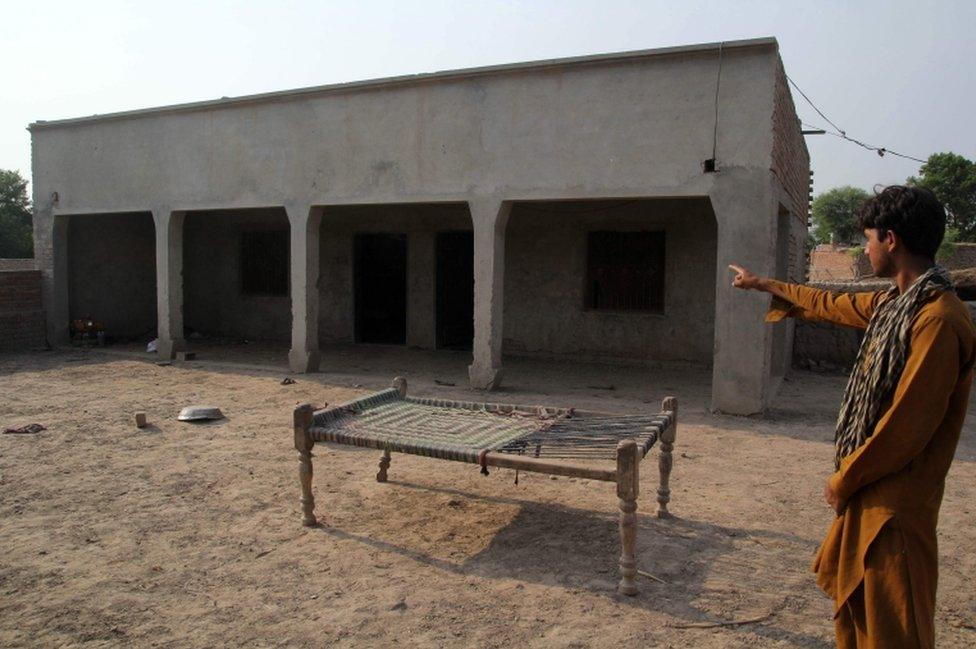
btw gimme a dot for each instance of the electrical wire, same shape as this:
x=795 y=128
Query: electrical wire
x=842 y=134
x=819 y=112
x=718 y=84
x=880 y=150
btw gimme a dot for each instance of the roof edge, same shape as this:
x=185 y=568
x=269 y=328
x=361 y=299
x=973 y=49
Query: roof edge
x=424 y=77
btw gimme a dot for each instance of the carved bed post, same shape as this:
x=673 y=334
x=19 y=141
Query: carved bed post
x=665 y=462
x=384 y=465
x=628 y=486
x=400 y=385
x=303 y=444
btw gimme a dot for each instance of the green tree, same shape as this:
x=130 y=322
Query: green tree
x=952 y=178
x=16 y=230
x=835 y=213
x=948 y=247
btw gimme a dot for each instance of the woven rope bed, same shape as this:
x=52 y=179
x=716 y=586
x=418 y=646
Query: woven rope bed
x=537 y=439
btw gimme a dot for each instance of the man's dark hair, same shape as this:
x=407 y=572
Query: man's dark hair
x=913 y=213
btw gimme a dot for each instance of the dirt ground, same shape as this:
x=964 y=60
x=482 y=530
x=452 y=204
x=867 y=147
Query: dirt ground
x=182 y=535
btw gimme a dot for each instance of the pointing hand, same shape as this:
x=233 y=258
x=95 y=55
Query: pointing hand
x=743 y=279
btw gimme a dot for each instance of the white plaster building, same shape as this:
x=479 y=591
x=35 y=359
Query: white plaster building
x=595 y=202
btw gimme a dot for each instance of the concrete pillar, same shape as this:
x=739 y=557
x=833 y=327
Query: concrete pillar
x=55 y=285
x=489 y=218
x=51 y=258
x=421 y=288
x=746 y=214
x=304 y=224
x=169 y=281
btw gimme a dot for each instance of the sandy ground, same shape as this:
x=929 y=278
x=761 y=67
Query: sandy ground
x=182 y=535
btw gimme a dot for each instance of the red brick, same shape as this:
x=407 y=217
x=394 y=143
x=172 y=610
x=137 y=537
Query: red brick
x=790 y=159
x=22 y=321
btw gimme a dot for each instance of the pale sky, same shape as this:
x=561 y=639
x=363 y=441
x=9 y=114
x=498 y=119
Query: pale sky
x=891 y=73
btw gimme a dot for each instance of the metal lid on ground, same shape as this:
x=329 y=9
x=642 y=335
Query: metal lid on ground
x=200 y=413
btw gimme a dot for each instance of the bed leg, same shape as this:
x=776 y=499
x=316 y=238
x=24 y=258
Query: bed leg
x=400 y=385
x=666 y=461
x=303 y=444
x=384 y=465
x=628 y=486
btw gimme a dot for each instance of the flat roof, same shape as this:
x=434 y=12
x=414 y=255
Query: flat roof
x=409 y=79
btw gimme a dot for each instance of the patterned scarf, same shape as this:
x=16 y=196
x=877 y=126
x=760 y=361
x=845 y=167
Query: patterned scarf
x=881 y=359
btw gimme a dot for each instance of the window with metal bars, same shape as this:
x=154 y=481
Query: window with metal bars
x=264 y=262
x=625 y=271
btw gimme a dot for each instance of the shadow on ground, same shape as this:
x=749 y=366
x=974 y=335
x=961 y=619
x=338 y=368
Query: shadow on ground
x=706 y=567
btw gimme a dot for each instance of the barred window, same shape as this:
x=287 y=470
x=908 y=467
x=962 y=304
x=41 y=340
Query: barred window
x=625 y=271
x=264 y=262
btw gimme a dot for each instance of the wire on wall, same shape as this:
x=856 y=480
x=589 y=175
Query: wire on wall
x=718 y=84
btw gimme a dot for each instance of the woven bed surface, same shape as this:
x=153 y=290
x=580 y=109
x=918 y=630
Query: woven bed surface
x=460 y=430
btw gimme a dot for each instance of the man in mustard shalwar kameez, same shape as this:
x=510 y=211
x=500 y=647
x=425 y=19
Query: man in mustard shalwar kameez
x=899 y=424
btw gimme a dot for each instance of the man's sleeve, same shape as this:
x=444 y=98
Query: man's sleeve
x=848 y=309
x=918 y=407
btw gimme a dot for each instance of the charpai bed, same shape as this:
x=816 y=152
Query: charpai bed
x=538 y=439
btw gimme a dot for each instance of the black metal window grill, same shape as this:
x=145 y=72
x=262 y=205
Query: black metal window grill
x=625 y=271
x=264 y=262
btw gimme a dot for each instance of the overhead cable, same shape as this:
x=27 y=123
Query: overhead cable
x=842 y=134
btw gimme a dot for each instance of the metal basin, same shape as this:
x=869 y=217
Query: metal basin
x=200 y=413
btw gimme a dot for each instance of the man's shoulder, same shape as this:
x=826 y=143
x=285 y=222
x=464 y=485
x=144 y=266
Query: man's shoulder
x=948 y=308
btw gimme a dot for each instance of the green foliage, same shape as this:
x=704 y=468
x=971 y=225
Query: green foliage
x=16 y=230
x=952 y=178
x=808 y=245
x=948 y=246
x=835 y=212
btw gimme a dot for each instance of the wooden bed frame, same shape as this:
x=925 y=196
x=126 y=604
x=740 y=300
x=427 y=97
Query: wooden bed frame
x=626 y=475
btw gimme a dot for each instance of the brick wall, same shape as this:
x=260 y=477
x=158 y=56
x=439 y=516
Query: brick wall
x=791 y=160
x=829 y=263
x=832 y=263
x=17 y=264
x=825 y=347
x=21 y=312
x=964 y=256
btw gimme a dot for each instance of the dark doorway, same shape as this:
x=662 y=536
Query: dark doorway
x=112 y=275
x=455 y=290
x=381 y=288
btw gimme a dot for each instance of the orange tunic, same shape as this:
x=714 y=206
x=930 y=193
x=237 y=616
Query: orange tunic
x=898 y=475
